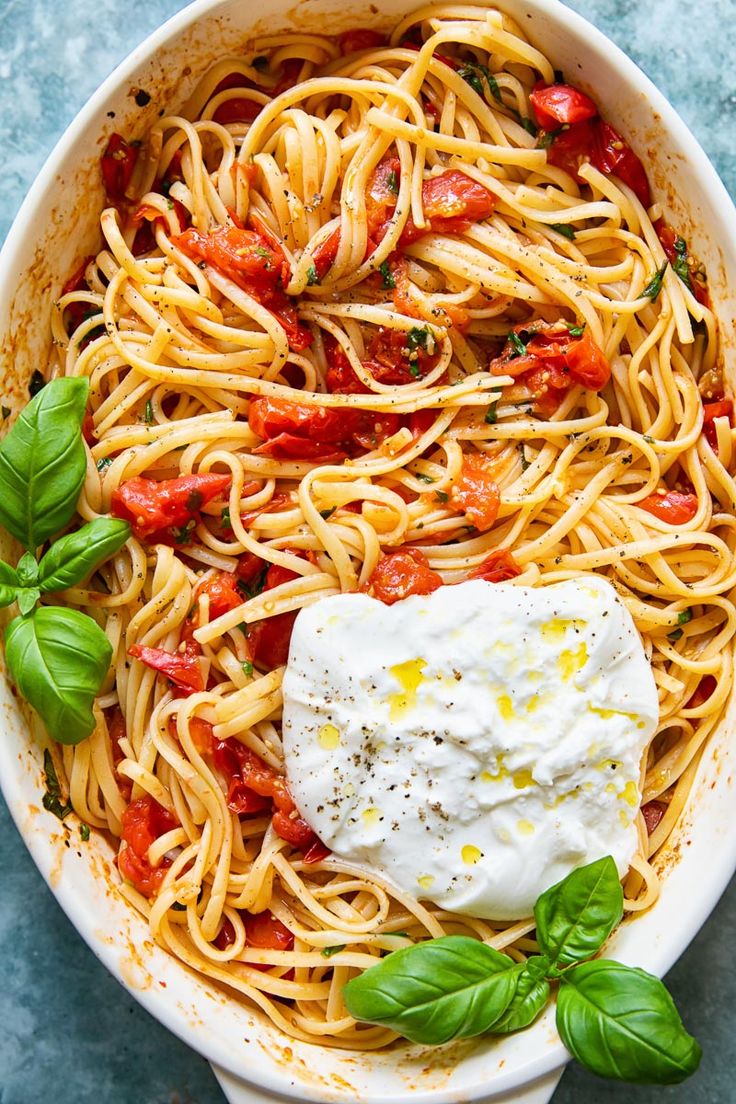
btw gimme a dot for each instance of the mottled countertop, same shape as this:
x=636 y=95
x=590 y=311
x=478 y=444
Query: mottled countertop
x=68 y=1033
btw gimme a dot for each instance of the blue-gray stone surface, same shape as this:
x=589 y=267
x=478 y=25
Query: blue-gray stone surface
x=68 y=1033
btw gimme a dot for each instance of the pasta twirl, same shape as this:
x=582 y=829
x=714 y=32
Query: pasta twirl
x=362 y=302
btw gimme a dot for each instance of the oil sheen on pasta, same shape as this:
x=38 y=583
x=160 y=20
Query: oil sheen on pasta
x=375 y=229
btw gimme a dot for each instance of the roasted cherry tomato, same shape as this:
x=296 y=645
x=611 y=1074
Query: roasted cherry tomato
x=703 y=692
x=181 y=668
x=117 y=163
x=238 y=109
x=546 y=359
x=558 y=104
x=497 y=568
x=222 y=591
x=400 y=574
x=263 y=930
x=155 y=508
x=721 y=409
x=116 y=731
x=653 y=812
x=476 y=494
x=144 y=821
x=673 y=507
x=360 y=38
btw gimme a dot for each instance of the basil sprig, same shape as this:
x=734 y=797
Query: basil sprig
x=57 y=657
x=618 y=1021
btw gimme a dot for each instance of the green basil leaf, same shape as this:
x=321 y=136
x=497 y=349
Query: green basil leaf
x=621 y=1022
x=71 y=558
x=27 y=570
x=9 y=584
x=563 y=228
x=653 y=288
x=27 y=598
x=437 y=990
x=58 y=658
x=576 y=916
x=42 y=463
x=532 y=994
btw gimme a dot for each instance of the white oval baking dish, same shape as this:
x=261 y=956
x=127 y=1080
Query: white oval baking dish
x=55 y=227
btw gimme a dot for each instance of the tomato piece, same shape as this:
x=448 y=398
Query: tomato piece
x=497 y=568
x=555 y=104
x=117 y=164
x=269 y=640
x=156 y=508
x=613 y=156
x=420 y=421
x=721 y=409
x=263 y=930
x=117 y=731
x=290 y=71
x=316 y=852
x=677 y=253
x=653 y=812
x=144 y=821
x=587 y=363
x=382 y=193
x=703 y=692
x=399 y=574
x=229 y=757
x=453 y=195
x=269 y=417
x=294 y=830
x=324 y=255
x=223 y=593
x=225 y=937
x=244 y=256
x=673 y=507
x=340 y=377
x=360 y=38
x=476 y=494
x=181 y=668
x=568 y=149
x=238 y=109
x=201 y=732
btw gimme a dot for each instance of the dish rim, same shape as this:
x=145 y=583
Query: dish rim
x=83 y=918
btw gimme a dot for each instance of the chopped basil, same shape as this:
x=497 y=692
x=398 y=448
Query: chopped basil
x=327 y=513
x=260 y=63
x=148 y=413
x=179 y=907
x=473 y=73
x=425 y=478
x=183 y=535
x=36 y=382
x=684 y=616
x=52 y=798
x=104 y=462
x=5 y=412
x=312 y=275
x=392 y=182
x=417 y=338
x=225 y=517
x=84 y=831
x=563 y=228
x=415 y=370
x=547 y=138
x=517 y=344
x=524 y=462
x=248 y=668
x=680 y=265
x=529 y=125
x=388 y=280
x=328 y=952
x=261 y=251
x=491 y=414
x=653 y=288
x=675 y=635
x=576 y=331
x=441 y=496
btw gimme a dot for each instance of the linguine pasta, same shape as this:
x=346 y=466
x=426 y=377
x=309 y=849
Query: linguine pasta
x=306 y=143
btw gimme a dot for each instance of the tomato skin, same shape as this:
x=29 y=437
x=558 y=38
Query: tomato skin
x=399 y=574
x=587 y=363
x=263 y=930
x=615 y=157
x=156 y=506
x=721 y=409
x=476 y=494
x=451 y=203
x=116 y=731
x=223 y=593
x=238 y=109
x=653 y=812
x=269 y=417
x=555 y=104
x=554 y=361
x=143 y=822
x=497 y=568
x=673 y=507
x=702 y=693
x=181 y=668
x=360 y=38
x=244 y=256
x=117 y=164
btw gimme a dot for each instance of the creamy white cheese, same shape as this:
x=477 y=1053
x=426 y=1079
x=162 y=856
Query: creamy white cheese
x=474 y=745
